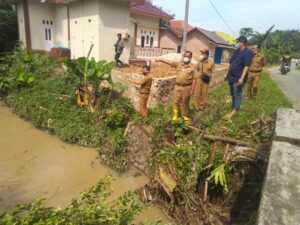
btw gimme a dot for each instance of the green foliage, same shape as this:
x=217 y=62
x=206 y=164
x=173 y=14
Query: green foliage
x=90 y=71
x=275 y=43
x=8 y=27
x=17 y=70
x=90 y=208
x=218 y=177
x=247 y=32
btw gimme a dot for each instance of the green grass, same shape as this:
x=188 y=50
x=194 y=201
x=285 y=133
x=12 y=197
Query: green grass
x=50 y=105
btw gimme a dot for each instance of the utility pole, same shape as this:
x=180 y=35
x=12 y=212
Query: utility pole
x=186 y=22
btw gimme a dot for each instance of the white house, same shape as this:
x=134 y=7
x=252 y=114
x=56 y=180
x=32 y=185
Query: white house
x=75 y=24
x=146 y=24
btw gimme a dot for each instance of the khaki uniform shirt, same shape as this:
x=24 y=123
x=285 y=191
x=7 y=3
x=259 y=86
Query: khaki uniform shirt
x=208 y=68
x=258 y=63
x=146 y=85
x=185 y=74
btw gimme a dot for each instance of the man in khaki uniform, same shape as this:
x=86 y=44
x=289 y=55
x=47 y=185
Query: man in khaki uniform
x=144 y=90
x=184 y=87
x=258 y=62
x=206 y=77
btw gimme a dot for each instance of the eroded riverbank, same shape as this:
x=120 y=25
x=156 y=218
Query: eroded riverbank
x=35 y=164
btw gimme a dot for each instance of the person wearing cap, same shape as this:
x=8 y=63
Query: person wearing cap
x=206 y=78
x=237 y=74
x=144 y=90
x=184 y=85
x=119 y=46
x=257 y=65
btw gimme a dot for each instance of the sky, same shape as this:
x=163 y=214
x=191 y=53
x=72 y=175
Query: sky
x=258 y=14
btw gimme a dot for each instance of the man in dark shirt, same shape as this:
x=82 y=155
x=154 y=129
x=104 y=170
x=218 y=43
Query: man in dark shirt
x=119 y=46
x=237 y=73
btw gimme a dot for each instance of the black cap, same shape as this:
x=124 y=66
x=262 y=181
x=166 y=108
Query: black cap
x=242 y=39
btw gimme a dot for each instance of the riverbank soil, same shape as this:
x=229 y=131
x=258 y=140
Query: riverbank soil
x=159 y=70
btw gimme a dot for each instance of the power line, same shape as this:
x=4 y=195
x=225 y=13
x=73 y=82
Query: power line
x=222 y=18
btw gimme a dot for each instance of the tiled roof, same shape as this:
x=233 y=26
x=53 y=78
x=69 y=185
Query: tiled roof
x=152 y=10
x=177 y=26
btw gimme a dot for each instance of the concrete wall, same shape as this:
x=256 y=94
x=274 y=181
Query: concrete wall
x=161 y=89
x=61 y=26
x=169 y=40
x=281 y=192
x=197 y=41
x=21 y=23
x=114 y=19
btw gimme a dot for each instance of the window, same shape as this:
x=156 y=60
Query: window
x=46 y=34
x=47 y=22
x=141 y=31
x=147 y=40
x=151 y=42
x=143 y=41
x=43 y=21
x=51 y=22
x=179 y=49
x=150 y=32
x=49 y=34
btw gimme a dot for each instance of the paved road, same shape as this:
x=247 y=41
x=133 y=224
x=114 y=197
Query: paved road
x=290 y=84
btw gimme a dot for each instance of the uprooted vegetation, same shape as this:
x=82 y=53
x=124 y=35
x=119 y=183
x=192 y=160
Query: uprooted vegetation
x=199 y=174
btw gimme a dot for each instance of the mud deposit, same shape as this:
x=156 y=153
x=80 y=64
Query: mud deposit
x=35 y=164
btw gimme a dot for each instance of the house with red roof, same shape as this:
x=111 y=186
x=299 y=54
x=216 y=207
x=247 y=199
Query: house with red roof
x=197 y=38
x=77 y=24
x=147 y=22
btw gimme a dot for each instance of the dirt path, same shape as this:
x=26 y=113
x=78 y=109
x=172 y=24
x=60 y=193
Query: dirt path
x=288 y=83
x=35 y=164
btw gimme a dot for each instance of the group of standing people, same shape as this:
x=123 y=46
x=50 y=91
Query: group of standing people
x=245 y=68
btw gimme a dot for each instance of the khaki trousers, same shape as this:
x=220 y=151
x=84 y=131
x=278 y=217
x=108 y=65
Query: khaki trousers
x=143 y=105
x=252 y=85
x=201 y=91
x=182 y=98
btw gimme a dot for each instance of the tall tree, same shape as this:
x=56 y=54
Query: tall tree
x=8 y=26
x=247 y=32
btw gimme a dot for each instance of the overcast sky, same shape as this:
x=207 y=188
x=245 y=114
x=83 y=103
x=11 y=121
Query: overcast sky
x=258 y=14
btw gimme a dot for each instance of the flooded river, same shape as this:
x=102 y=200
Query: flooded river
x=34 y=164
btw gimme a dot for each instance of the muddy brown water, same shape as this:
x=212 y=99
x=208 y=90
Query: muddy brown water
x=34 y=164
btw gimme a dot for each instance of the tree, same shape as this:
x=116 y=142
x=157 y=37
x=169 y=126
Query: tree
x=8 y=26
x=247 y=32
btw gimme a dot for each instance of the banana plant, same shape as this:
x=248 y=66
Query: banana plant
x=92 y=73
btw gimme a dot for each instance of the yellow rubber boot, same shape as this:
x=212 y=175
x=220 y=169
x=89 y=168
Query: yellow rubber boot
x=175 y=115
x=186 y=119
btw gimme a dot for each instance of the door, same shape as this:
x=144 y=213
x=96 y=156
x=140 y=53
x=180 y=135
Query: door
x=77 y=29
x=48 y=34
x=218 y=55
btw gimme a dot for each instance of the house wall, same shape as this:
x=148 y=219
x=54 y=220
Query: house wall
x=61 y=26
x=147 y=27
x=169 y=40
x=21 y=23
x=38 y=13
x=114 y=19
x=197 y=41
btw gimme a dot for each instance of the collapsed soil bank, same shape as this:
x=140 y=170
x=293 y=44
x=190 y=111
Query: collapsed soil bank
x=35 y=164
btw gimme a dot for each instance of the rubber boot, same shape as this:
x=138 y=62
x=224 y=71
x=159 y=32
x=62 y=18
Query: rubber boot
x=175 y=115
x=186 y=119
